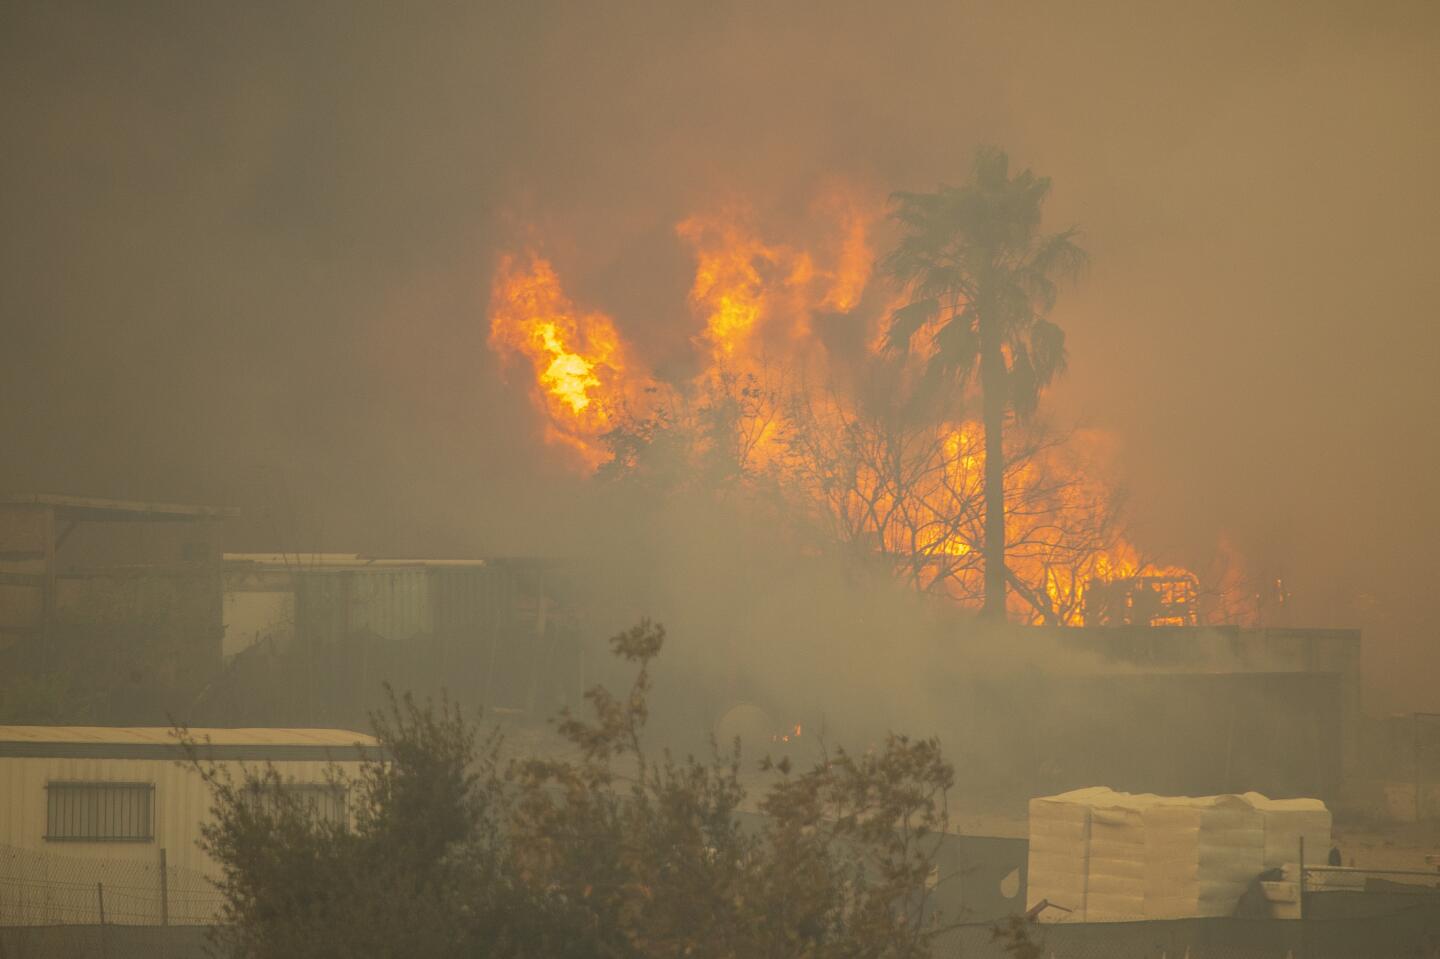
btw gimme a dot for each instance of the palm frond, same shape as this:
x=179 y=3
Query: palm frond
x=1047 y=351
x=946 y=281
x=907 y=321
x=1024 y=385
x=957 y=343
x=1058 y=256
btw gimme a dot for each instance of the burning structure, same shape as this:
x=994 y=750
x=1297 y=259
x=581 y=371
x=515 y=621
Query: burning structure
x=1158 y=600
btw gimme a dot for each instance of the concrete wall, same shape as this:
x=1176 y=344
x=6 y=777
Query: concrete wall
x=1234 y=649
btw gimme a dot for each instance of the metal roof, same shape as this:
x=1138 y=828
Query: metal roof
x=117 y=510
x=310 y=561
x=251 y=736
x=161 y=742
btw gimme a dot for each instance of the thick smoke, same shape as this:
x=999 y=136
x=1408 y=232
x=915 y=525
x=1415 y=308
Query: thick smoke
x=247 y=252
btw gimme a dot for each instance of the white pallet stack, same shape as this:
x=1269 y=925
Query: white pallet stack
x=1059 y=853
x=1202 y=854
x=1286 y=821
x=1107 y=856
x=1116 y=885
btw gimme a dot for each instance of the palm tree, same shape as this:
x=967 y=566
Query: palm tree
x=981 y=277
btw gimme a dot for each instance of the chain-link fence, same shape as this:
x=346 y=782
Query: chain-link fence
x=55 y=904
x=41 y=888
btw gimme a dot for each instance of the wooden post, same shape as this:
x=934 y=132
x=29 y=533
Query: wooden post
x=1302 y=877
x=100 y=896
x=164 y=907
x=164 y=890
x=1304 y=945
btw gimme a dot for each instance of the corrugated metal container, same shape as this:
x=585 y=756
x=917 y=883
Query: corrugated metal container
x=332 y=605
x=401 y=604
x=473 y=601
x=490 y=633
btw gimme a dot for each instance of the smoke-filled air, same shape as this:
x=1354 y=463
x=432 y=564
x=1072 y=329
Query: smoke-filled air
x=994 y=442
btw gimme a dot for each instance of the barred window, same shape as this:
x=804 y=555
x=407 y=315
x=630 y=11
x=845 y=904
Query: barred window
x=326 y=802
x=99 y=812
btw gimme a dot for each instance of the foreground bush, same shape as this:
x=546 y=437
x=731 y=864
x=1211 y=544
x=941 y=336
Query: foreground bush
x=614 y=853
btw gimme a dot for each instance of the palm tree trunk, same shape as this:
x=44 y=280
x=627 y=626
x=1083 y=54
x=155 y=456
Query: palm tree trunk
x=993 y=402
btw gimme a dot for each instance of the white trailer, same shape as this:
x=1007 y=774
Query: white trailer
x=80 y=805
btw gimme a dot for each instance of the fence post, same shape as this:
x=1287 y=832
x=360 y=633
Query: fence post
x=100 y=896
x=164 y=907
x=164 y=890
x=1304 y=945
x=1302 y=877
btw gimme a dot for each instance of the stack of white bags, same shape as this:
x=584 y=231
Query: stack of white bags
x=1060 y=851
x=1203 y=854
x=1107 y=856
x=1115 y=874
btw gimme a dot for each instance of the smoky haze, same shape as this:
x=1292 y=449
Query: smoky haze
x=247 y=251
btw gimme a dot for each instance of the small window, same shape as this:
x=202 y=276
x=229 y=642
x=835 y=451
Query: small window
x=99 y=812
x=325 y=802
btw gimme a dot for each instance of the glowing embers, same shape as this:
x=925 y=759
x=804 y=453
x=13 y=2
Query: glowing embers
x=794 y=732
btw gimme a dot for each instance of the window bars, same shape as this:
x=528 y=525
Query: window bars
x=99 y=812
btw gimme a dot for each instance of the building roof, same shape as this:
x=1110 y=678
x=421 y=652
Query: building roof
x=116 y=510
x=313 y=561
x=161 y=742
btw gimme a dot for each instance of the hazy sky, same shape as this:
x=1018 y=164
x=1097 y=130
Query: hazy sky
x=246 y=248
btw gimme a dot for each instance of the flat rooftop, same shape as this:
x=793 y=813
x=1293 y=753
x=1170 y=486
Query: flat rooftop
x=117 y=510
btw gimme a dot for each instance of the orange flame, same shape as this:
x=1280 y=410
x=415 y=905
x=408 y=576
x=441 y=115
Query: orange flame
x=578 y=358
x=741 y=285
x=758 y=298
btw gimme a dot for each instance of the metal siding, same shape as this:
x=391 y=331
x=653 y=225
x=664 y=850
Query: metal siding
x=181 y=803
x=393 y=604
x=471 y=602
x=332 y=605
